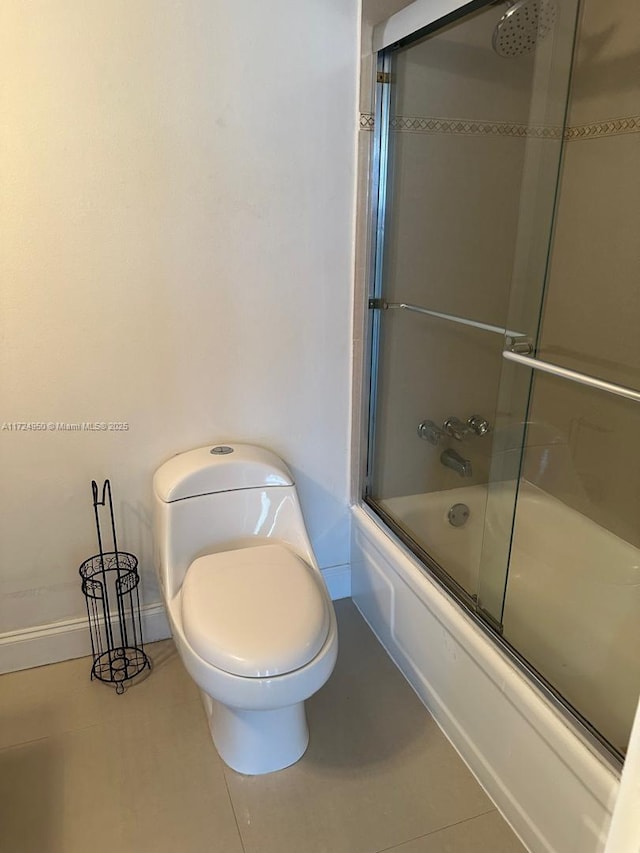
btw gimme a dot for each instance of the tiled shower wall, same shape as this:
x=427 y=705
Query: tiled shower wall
x=592 y=306
x=434 y=371
x=461 y=135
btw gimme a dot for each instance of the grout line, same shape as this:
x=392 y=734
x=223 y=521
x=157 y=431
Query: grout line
x=110 y=718
x=20 y=743
x=435 y=831
x=52 y=735
x=233 y=808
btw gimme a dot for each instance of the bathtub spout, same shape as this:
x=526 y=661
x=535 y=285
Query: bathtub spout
x=453 y=460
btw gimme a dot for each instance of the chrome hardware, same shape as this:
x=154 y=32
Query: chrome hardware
x=453 y=460
x=573 y=375
x=458 y=515
x=479 y=425
x=519 y=344
x=221 y=450
x=439 y=315
x=459 y=430
x=377 y=304
x=456 y=428
x=523 y=25
x=430 y=432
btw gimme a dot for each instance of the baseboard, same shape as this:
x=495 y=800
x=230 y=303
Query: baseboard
x=338 y=581
x=60 y=641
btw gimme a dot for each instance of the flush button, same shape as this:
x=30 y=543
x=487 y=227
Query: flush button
x=221 y=450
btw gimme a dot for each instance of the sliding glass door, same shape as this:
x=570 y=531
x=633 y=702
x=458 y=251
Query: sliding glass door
x=470 y=137
x=505 y=358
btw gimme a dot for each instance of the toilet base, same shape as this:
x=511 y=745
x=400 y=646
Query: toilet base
x=257 y=742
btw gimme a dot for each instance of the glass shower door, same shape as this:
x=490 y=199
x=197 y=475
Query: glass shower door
x=505 y=398
x=470 y=135
x=569 y=602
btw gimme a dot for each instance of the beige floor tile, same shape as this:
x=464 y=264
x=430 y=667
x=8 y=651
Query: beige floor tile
x=378 y=770
x=488 y=833
x=146 y=783
x=49 y=700
x=90 y=771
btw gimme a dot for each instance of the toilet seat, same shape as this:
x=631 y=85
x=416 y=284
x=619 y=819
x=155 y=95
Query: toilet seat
x=254 y=612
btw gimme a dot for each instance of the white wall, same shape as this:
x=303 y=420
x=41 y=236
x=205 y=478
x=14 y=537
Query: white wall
x=177 y=236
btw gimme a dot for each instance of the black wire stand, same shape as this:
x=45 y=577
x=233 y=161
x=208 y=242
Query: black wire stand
x=110 y=579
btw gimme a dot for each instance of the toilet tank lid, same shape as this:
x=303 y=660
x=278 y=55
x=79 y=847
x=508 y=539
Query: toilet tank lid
x=219 y=468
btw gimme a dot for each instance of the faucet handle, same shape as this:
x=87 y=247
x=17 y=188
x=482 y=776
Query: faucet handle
x=460 y=429
x=455 y=428
x=478 y=425
x=431 y=432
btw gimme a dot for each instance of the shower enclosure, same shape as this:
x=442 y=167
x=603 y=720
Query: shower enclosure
x=505 y=356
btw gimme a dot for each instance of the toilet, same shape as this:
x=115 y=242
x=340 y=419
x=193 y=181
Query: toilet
x=248 y=607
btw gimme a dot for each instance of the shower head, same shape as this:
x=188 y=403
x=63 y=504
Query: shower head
x=523 y=24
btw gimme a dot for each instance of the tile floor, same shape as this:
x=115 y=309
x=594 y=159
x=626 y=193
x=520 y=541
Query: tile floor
x=83 y=770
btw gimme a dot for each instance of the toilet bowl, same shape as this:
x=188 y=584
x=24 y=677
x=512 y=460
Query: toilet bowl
x=248 y=607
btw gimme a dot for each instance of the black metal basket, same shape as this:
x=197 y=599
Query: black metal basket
x=110 y=583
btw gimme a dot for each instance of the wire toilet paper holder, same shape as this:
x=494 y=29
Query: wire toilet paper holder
x=110 y=579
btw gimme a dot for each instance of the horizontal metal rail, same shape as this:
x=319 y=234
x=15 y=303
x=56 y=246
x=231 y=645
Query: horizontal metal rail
x=573 y=375
x=526 y=360
x=463 y=321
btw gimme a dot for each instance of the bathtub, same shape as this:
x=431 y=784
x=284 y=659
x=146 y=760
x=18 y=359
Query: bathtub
x=569 y=579
x=554 y=789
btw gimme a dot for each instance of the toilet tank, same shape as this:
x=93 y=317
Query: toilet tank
x=222 y=497
x=221 y=468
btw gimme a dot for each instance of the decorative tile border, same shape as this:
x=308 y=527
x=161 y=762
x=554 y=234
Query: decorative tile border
x=367 y=121
x=611 y=127
x=463 y=127
x=472 y=127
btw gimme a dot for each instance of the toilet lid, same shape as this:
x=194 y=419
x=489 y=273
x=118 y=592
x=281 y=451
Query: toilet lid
x=254 y=612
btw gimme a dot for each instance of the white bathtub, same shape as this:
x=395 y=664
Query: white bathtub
x=573 y=594
x=455 y=548
x=555 y=791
